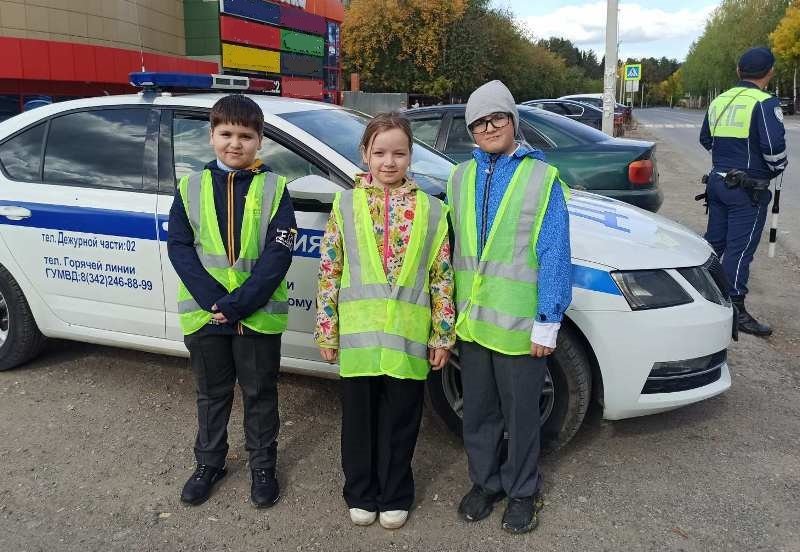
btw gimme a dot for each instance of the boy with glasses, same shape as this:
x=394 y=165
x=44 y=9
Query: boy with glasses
x=513 y=283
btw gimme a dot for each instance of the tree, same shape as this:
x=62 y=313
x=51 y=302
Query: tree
x=654 y=72
x=449 y=48
x=671 y=89
x=397 y=45
x=785 y=40
x=733 y=27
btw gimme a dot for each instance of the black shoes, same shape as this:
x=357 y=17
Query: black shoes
x=746 y=322
x=478 y=503
x=264 y=490
x=522 y=514
x=198 y=488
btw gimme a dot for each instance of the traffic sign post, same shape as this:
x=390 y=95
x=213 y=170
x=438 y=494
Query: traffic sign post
x=633 y=72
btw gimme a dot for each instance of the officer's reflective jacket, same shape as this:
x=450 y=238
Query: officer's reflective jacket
x=743 y=129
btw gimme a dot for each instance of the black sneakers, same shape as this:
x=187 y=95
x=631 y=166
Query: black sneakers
x=478 y=503
x=198 y=488
x=264 y=490
x=521 y=514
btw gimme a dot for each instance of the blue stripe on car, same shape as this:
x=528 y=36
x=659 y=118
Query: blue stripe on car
x=89 y=220
x=593 y=279
x=148 y=226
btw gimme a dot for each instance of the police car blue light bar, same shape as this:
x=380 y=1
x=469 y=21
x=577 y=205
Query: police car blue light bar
x=196 y=81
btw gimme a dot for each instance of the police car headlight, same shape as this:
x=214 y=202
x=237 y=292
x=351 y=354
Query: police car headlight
x=650 y=289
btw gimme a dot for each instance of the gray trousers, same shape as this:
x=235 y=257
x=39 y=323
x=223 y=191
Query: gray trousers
x=501 y=394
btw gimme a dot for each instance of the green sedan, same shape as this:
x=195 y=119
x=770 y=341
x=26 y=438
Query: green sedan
x=586 y=158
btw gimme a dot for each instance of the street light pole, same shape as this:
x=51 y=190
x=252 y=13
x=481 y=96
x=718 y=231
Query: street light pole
x=610 y=73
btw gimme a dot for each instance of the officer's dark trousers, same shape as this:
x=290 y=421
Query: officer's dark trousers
x=218 y=361
x=734 y=230
x=381 y=416
x=501 y=394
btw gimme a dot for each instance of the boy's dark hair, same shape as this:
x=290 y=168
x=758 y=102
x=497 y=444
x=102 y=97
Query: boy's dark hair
x=237 y=109
x=383 y=122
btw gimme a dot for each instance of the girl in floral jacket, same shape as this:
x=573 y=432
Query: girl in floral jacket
x=381 y=412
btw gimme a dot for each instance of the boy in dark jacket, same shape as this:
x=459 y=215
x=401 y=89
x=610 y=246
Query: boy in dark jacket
x=231 y=237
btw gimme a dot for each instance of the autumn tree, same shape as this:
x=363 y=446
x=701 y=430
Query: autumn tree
x=732 y=28
x=398 y=45
x=671 y=88
x=449 y=48
x=785 y=40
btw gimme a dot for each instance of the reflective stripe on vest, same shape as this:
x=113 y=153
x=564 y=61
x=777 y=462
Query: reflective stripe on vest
x=730 y=114
x=383 y=329
x=496 y=295
x=261 y=203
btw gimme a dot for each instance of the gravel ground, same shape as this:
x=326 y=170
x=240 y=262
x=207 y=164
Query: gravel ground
x=95 y=444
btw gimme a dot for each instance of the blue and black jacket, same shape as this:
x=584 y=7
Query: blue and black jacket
x=762 y=154
x=230 y=190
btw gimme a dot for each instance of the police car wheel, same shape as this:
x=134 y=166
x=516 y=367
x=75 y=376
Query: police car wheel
x=20 y=338
x=563 y=404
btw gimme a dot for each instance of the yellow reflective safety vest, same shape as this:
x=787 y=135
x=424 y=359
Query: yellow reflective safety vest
x=496 y=294
x=261 y=204
x=383 y=329
x=730 y=114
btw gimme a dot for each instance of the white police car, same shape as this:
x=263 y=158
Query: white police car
x=85 y=191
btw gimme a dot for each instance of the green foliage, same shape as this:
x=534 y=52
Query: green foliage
x=733 y=27
x=655 y=72
x=447 y=48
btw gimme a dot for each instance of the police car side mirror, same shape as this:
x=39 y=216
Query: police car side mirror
x=313 y=193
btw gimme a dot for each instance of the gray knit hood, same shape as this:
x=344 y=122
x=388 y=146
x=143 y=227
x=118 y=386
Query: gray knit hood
x=492 y=97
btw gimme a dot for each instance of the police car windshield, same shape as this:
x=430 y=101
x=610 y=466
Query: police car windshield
x=341 y=130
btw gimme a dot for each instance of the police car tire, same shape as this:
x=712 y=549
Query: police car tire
x=24 y=340
x=571 y=372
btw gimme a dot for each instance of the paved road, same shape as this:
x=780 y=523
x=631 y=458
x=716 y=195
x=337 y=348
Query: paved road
x=681 y=128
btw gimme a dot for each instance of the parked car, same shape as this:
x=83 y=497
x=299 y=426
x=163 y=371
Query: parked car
x=580 y=112
x=787 y=106
x=577 y=111
x=85 y=192
x=597 y=101
x=586 y=158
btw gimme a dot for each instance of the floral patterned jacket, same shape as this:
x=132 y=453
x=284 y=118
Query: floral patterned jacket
x=401 y=204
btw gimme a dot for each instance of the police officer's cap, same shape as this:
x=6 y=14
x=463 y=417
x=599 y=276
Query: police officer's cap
x=756 y=62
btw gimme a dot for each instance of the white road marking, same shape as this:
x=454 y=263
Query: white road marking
x=670 y=125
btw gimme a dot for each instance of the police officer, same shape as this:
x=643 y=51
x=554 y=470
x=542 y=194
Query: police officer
x=743 y=129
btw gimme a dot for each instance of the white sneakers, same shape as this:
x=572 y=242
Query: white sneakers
x=393 y=519
x=362 y=517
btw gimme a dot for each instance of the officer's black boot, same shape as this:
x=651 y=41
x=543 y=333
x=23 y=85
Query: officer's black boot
x=746 y=322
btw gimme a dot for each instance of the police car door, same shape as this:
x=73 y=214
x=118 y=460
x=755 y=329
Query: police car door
x=87 y=235
x=189 y=134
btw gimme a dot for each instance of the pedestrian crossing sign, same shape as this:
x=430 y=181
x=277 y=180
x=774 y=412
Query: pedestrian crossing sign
x=633 y=72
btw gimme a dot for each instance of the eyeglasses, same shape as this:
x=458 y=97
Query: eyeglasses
x=498 y=120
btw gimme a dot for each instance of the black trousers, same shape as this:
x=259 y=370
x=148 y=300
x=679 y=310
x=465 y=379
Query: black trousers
x=734 y=230
x=501 y=394
x=381 y=416
x=217 y=362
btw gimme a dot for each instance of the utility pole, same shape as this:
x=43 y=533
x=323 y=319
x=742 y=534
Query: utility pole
x=610 y=73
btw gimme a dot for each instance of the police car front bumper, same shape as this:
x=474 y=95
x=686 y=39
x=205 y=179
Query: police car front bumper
x=661 y=359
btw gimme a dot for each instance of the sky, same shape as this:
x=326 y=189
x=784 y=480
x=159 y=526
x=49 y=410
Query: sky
x=647 y=28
